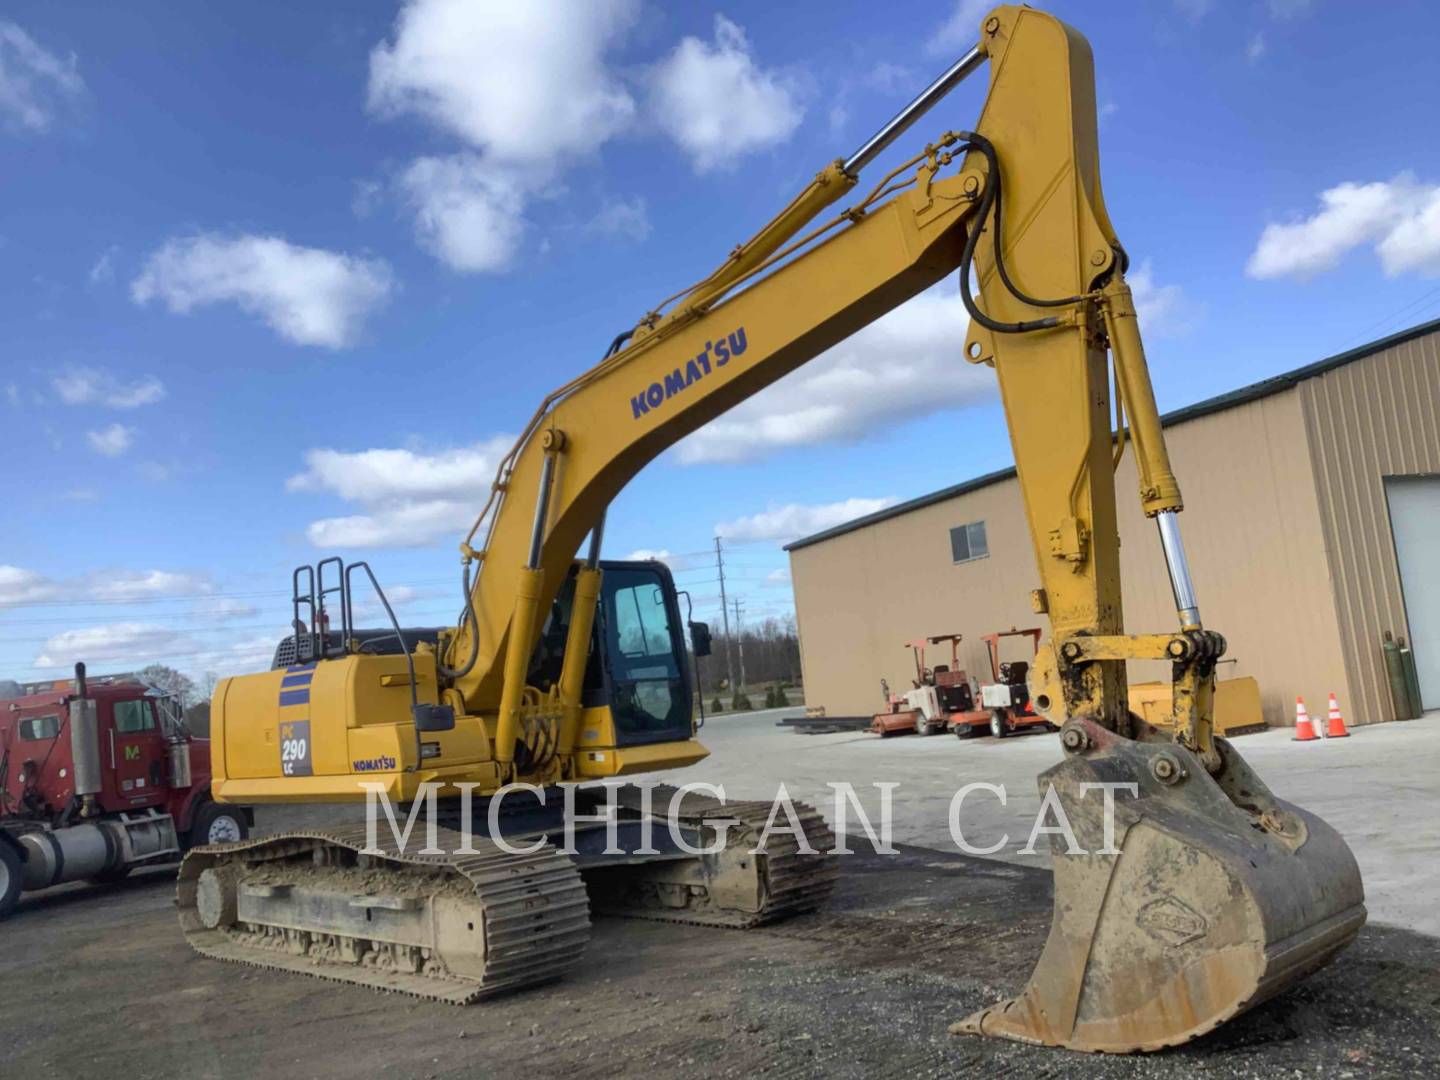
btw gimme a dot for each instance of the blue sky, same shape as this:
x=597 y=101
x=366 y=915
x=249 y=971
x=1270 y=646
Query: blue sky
x=276 y=280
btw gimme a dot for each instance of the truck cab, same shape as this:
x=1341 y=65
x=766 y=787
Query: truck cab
x=97 y=778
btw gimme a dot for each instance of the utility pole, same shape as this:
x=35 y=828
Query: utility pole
x=725 y=614
x=740 y=640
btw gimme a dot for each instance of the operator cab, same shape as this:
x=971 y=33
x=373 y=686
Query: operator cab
x=638 y=662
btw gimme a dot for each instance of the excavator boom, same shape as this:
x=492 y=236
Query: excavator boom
x=1200 y=895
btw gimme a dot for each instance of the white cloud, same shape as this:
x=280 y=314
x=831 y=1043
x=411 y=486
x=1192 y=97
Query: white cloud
x=20 y=586
x=523 y=86
x=127 y=641
x=1281 y=10
x=12 y=395
x=717 y=104
x=890 y=78
x=111 y=441
x=91 y=386
x=124 y=585
x=1195 y=10
x=401 y=595
x=409 y=524
x=409 y=499
x=961 y=29
x=1163 y=310
x=794 y=520
x=468 y=211
x=903 y=366
x=525 y=82
x=1256 y=48
x=34 y=83
x=366 y=197
x=156 y=472
x=675 y=562
x=627 y=219
x=309 y=296
x=778 y=578
x=222 y=609
x=237 y=657
x=103 y=269
x=368 y=606
x=1399 y=217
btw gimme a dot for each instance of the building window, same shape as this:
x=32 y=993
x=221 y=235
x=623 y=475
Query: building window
x=40 y=727
x=968 y=542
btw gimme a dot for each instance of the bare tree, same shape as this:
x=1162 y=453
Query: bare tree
x=167 y=680
x=772 y=654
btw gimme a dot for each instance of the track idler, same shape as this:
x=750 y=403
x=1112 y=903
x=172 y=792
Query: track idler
x=1213 y=896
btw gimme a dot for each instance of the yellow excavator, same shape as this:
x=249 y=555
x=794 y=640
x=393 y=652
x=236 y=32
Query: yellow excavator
x=1200 y=896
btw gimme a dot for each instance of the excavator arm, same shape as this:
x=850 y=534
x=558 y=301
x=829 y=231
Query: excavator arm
x=783 y=298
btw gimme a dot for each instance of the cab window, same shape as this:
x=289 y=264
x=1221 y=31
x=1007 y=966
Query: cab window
x=133 y=717
x=642 y=631
x=649 y=697
x=39 y=727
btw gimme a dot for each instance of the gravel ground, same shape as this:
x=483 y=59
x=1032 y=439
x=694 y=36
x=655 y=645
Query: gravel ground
x=100 y=983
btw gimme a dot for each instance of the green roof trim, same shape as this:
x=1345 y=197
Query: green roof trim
x=1262 y=389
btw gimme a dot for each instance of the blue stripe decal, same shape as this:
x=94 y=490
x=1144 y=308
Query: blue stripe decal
x=294 y=697
x=302 y=667
x=303 y=679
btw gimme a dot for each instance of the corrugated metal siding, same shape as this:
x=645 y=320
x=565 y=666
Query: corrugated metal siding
x=1376 y=417
x=1251 y=527
x=1252 y=530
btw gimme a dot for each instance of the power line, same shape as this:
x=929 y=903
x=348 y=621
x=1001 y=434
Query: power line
x=181 y=598
x=1389 y=319
x=248 y=619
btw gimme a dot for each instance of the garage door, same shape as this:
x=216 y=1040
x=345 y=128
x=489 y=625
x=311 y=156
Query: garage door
x=1415 y=519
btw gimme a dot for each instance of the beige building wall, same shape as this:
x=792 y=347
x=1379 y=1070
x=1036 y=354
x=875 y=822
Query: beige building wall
x=1376 y=417
x=1252 y=525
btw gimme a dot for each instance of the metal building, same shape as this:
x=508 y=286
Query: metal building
x=1312 y=520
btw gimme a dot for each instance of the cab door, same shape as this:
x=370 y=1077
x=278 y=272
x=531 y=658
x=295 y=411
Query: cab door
x=137 y=748
x=646 y=676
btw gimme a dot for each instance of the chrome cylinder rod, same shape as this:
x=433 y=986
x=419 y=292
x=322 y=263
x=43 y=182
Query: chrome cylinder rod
x=542 y=505
x=597 y=535
x=1186 y=606
x=901 y=121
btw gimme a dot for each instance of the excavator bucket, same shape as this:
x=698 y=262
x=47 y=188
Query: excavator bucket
x=1206 y=897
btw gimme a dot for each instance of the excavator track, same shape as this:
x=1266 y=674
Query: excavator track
x=452 y=928
x=735 y=888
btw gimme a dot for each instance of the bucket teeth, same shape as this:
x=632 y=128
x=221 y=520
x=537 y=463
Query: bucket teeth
x=1196 y=910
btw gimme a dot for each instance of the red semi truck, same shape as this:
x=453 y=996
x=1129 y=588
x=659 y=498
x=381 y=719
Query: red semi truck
x=97 y=779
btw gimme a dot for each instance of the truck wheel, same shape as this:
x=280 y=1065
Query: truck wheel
x=217 y=824
x=11 y=871
x=999 y=724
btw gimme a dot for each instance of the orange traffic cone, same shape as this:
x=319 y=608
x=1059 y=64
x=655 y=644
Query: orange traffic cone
x=1304 y=729
x=1335 y=724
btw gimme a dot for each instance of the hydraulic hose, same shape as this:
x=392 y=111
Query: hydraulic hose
x=992 y=200
x=467 y=617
